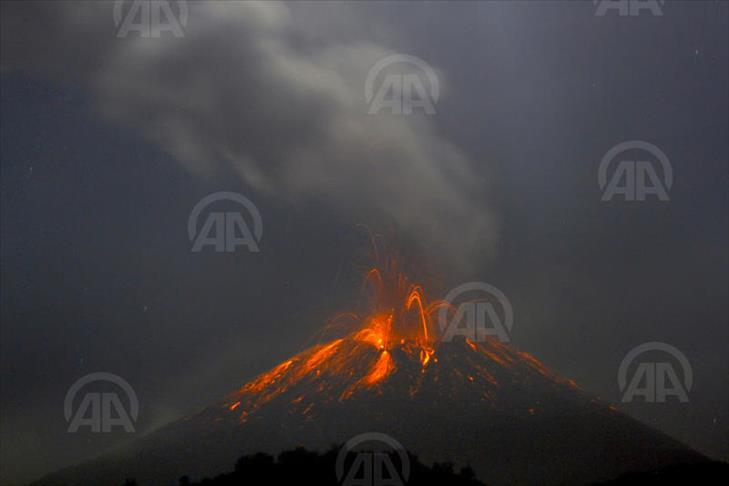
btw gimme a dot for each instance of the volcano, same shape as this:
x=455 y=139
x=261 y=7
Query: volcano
x=485 y=404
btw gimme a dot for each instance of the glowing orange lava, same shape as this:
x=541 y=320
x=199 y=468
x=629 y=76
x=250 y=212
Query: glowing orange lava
x=399 y=313
x=395 y=331
x=383 y=367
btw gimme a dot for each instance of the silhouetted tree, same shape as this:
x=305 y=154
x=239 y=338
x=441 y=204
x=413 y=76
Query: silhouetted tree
x=467 y=472
x=258 y=461
x=300 y=466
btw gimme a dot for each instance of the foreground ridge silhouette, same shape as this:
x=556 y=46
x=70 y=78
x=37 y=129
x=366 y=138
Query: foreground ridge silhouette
x=302 y=466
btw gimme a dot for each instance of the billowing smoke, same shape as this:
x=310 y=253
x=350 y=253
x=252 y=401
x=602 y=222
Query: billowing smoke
x=262 y=90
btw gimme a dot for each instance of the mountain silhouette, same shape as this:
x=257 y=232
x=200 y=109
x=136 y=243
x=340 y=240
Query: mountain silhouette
x=392 y=371
x=485 y=404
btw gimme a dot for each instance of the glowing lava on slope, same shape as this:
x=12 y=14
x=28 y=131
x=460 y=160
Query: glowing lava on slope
x=399 y=316
x=398 y=334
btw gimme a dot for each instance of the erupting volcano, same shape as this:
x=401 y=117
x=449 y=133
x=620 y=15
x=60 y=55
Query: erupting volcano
x=387 y=369
x=394 y=346
x=400 y=321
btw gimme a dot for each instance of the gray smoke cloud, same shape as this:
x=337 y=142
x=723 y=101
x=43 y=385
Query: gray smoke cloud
x=269 y=92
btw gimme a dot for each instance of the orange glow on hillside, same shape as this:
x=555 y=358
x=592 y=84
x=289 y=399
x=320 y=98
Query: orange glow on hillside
x=397 y=332
x=380 y=370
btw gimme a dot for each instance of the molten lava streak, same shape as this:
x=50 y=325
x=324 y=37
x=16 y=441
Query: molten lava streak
x=383 y=367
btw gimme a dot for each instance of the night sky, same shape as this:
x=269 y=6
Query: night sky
x=108 y=142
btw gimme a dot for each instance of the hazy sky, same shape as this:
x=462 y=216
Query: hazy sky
x=109 y=141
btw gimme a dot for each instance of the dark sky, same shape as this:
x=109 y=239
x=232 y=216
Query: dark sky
x=108 y=143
